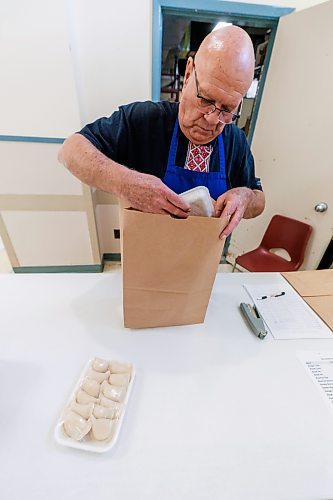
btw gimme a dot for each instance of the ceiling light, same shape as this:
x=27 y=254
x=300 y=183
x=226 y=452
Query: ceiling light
x=221 y=24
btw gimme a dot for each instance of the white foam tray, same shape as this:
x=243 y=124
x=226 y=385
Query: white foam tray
x=200 y=201
x=87 y=443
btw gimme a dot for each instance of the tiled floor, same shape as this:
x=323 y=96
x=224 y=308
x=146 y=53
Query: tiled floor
x=5 y=266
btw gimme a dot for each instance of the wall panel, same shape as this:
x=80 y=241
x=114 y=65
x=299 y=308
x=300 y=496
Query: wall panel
x=49 y=238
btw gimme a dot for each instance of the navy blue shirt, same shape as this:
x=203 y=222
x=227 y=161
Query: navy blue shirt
x=138 y=136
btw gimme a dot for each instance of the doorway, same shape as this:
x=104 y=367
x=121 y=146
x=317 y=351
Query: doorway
x=178 y=29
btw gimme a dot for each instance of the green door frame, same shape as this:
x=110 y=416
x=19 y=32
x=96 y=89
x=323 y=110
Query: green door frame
x=251 y=14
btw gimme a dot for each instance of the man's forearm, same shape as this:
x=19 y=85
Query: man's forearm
x=256 y=204
x=144 y=192
x=91 y=166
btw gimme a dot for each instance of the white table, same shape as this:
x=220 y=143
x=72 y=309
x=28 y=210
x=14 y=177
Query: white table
x=215 y=413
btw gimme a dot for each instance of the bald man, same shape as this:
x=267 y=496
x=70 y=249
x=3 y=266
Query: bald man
x=148 y=153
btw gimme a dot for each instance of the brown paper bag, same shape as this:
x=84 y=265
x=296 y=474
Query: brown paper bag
x=169 y=267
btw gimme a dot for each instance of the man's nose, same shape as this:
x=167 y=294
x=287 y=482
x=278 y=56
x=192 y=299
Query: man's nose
x=213 y=118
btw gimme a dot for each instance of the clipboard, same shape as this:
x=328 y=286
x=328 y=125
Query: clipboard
x=316 y=288
x=284 y=312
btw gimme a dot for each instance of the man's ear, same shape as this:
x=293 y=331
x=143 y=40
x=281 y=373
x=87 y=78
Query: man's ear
x=188 y=71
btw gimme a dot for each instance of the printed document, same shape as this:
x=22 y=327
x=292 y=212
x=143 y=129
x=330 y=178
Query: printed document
x=319 y=366
x=286 y=314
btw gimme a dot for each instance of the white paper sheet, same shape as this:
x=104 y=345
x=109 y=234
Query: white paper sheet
x=319 y=366
x=286 y=314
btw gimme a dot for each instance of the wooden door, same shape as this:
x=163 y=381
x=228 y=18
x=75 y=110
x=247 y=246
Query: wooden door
x=293 y=138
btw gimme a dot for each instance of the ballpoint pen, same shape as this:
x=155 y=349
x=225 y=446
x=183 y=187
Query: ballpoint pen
x=273 y=295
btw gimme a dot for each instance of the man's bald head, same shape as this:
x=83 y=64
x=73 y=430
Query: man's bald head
x=228 y=52
x=221 y=74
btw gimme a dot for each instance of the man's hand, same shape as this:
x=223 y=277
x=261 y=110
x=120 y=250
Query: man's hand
x=236 y=204
x=148 y=193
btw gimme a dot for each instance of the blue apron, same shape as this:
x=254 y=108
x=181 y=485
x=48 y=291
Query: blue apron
x=181 y=179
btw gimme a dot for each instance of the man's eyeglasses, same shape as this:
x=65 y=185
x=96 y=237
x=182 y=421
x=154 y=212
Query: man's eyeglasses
x=207 y=107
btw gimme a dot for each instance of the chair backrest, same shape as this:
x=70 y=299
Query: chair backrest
x=290 y=234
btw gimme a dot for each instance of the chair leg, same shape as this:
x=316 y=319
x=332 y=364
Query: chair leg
x=233 y=268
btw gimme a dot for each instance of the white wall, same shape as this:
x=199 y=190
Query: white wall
x=37 y=95
x=46 y=215
x=111 y=45
x=296 y=4
x=110 y=54
x=111 y=48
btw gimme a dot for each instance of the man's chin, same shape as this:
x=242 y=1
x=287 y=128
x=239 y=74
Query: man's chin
x=199 y=135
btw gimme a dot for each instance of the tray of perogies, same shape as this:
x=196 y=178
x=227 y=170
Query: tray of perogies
x=93 y=416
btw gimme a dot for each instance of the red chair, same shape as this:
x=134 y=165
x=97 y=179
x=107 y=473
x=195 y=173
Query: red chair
x=283 y=233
